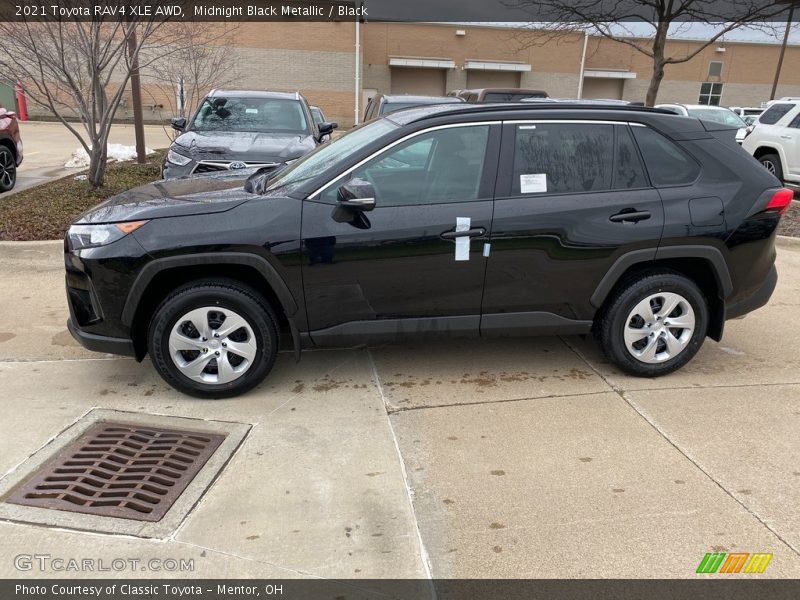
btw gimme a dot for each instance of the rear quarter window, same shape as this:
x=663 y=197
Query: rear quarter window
x=666 y=162
x=775 y=113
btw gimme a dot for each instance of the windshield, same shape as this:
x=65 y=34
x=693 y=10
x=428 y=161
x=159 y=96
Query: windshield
x=726 y=117
x=328 y=155
x=250 y=114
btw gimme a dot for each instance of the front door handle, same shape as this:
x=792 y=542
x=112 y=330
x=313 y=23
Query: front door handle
x=786 y=137
x=632 y=215
x=476 y=232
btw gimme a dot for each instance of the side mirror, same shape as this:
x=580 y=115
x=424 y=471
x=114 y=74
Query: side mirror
x=326 y=129
x=357 y=194
x=178 y=124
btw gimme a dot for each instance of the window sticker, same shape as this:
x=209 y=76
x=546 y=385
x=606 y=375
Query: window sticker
x=534 y=183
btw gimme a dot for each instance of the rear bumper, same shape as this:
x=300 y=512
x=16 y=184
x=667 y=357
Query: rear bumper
x=101 y=343
x=756 y=300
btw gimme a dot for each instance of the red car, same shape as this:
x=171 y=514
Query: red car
x=10 y=149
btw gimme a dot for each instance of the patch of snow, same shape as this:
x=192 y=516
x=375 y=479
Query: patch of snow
x=116 y=152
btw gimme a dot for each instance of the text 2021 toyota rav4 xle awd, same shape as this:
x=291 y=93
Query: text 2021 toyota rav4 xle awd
x=648 y=229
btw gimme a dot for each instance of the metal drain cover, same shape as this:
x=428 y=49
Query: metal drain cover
x=123 y=470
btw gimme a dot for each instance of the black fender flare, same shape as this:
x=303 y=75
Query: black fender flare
x=626 y=261
x=159 y=265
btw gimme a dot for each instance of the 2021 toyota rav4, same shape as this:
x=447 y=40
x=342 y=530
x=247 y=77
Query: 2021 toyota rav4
x=648 y=229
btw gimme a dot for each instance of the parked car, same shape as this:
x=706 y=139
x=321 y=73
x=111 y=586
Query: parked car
x=746 y=112
x=382 y=104
x=775 y=141
x=319 y=119
x=499 y=94
x=10 y=149
x=717 y=114
x=462 y=220
x=243 y=129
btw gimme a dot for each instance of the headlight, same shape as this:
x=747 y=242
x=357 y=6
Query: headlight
x=91 y=236
x=178 y=159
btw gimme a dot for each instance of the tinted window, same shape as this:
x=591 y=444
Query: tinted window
x=666 y=163
x=775 y=113
x=628 y=170
x=559 y=158
x=250 y=114
x=795 y=122
x=436 y=167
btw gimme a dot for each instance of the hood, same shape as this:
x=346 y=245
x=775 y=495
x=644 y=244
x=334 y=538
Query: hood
x=173 y=198
x=248 y=146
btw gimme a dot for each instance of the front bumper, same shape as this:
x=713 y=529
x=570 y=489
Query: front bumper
x=101 y=343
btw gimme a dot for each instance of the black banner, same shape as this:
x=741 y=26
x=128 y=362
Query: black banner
x=509 y=11
x=716 y=586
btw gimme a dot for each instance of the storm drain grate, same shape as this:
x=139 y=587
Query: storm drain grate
x=119 y=470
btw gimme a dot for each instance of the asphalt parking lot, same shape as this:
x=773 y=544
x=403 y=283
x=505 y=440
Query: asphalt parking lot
x=502 y=458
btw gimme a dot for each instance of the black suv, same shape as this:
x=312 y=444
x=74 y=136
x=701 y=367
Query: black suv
x=646 y=228
x=243 y=129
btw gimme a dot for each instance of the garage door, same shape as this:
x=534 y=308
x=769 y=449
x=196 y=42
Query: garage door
x=602 y=87
x=425 y=82
x=492 y=79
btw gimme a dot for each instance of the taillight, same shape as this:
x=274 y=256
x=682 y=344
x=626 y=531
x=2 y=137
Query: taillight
x=780 y=200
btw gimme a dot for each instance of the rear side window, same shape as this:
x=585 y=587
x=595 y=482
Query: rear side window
x=567 y=158
x=666 y=162
x=775 y=113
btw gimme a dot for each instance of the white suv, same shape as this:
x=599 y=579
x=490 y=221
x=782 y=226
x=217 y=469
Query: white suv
x=775 y=140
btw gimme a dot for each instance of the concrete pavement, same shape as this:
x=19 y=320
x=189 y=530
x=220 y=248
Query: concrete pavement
x=502 y=458
x=49 y=145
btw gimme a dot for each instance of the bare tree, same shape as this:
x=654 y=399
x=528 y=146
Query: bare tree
x=611 y=19
x=201 y=61
x=76 y=69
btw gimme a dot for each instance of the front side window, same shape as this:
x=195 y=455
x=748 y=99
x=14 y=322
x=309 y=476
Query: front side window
x=666 y=163
x=250 y=114
x=445 y=165
x=710 y=94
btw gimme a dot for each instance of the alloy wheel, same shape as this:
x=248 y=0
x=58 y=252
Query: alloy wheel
x=8 y=169
x=212 y=345
x=769 y=166
x=659 y=327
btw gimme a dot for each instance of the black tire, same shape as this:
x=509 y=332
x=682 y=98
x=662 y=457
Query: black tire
x=772 y=163
x=225 y=294
x=610 y=329
x=8 y=169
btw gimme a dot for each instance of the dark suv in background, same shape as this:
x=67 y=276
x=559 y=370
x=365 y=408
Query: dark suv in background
x=382 y=104
x=647 y=229
x=243 y=129
x=10 y=149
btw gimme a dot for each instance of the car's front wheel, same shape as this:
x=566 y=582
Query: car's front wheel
x=213 y=339
x=654 y=324
x=8 y=169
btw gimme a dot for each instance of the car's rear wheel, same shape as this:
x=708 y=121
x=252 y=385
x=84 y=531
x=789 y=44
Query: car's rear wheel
x=8 y=169
x=772 y=163
x=654 y=324
x=213 y=339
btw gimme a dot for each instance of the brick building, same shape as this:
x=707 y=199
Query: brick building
x=318 y=59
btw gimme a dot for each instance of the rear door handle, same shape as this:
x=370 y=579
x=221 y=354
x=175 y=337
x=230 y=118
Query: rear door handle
x=633 y=216
x=476 y=232
x=786 y=137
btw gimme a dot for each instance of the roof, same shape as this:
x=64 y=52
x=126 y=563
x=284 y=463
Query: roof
x=422 y=99
x=426 y=112
x=256 y=94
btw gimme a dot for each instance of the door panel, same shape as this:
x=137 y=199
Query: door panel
x=394 y=268
x=551 y=246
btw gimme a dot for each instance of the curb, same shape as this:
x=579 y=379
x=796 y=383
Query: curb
x=785 y=241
